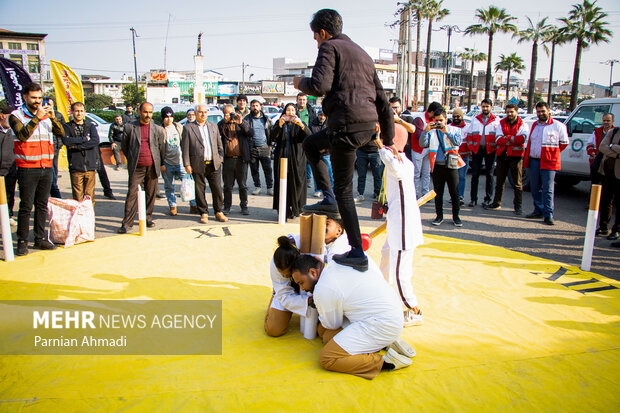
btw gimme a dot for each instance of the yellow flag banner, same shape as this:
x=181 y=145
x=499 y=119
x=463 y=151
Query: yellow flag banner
x=67 y=86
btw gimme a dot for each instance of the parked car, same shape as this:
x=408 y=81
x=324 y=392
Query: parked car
x=103 y=128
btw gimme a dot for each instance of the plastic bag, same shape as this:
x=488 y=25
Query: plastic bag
x=188 y=189
x=71 y=222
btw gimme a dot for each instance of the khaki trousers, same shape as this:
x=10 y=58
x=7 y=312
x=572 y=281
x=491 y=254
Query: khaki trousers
x=334 y=358
x=83 y=183
x=276 y=321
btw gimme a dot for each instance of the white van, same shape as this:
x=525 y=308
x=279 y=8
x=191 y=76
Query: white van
x=580 y=125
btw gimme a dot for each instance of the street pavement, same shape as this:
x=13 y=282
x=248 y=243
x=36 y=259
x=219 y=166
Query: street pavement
x=562 y=242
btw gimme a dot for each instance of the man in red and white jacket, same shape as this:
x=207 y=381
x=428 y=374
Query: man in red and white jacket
x=548 y=138
x=511 y=140
x=34 y=126
x=480 y=138
x=595 y=142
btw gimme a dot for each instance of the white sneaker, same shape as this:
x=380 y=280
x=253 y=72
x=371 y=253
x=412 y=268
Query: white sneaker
x=13 y=224
x=399 y=361
x=256 y=191
x=413 y=319
x=269 y=191
x=359 y=199
x=402 y=347
x=318 y=194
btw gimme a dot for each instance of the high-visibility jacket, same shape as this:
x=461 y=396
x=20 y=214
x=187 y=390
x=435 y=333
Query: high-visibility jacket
x=512 y=138
x=554 y=141
x=463 y=149
x=595 y=141
x=474 y=133
x=38 y=150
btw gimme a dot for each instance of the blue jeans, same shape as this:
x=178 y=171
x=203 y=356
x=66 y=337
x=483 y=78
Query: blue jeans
x=463 y=177
x=361 y=167
x=172 y=172
x=542 y=182
x=328 y=162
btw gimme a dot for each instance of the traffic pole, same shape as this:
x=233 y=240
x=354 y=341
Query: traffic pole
x=588 y=243
x=283 y=184
x=142 y=212
x=7 y=239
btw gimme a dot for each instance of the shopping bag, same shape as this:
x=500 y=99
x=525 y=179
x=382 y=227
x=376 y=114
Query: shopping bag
x=71 y=222
x=188 y=192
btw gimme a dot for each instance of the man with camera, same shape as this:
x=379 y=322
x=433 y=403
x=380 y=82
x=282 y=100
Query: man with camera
x=34 y=126
x=236 y=137
x=260 y=153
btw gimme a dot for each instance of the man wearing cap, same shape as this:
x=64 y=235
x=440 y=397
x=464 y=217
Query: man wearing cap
x=242 y=106
x=173 y=158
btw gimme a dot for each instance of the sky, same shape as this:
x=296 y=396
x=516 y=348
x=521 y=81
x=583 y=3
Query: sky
x=95 y=37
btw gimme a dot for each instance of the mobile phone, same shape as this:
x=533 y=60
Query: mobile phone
x=46 y=101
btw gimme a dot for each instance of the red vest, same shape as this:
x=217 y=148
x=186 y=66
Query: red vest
x=598 y=134
x=474 y=137
x=513 y=139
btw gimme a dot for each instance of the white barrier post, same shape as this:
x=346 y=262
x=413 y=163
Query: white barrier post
x=142 y=211
x=588 y=243
x=7 y=239
x=283 y=184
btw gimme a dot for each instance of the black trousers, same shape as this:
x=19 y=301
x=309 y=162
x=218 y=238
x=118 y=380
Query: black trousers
x=443 y=175
x=34 y=189
x=235 y=169
x=214 y=177
x=11 y=181
x=476 y=166
x=261 y=156
x=103 y=175
x=342 y=147
x=147 y=177
x=514 y=165
x=610 y=195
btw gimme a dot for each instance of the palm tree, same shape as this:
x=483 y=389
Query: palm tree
x=494 y=20
x=556 y=37
x=474 y=56
x=433 y=12
x=510 y=63
x=584 y=24
x=535 y=33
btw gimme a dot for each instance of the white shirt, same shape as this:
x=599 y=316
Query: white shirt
x=204 y=133
x=536 y=139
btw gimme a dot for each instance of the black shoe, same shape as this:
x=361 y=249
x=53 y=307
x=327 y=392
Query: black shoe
x=472 y=204
x=602 y=232
x=110 y=195
x=150 y=224
x=518 y=211
x=461 y=202
x=245 y=211
x=43 y=244
x=492 y=206
x=457 y=222
x=22 y=248
x=320 y=207
x=437 y=221
x=533 y=215
x=226 y=211
x=613 y=236
x=358 y=263
x=549 y=221
x=159 y=195
x=485 y=204
x=122 y=230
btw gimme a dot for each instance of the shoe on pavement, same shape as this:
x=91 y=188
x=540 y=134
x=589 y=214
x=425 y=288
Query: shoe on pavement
x=269 y=191
x=22 y=248
x=402 y=347
x=461 y=202
x=193 y=210
x=318 y=194
x=226 y=211
x=437 y=221
x=110 y=195
x=245 y=211
x=359 y=199
x=472 y=204
x=412 y=319
x=150 y=224
x=321 y=207
x=43 y=244
x=457 y=222
x=534 y=215
x=173 y=211
x=518 y=211
x=602 y=232
x=492 y=206
x=549 y=221
x=121 y=230
x=357 y=263
x=399 y=361
x=204 y=218
x=221 y=217
x=613 y=236
x=257 y=191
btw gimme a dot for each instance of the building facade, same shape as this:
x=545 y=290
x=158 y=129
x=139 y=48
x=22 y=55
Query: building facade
x=27 y=50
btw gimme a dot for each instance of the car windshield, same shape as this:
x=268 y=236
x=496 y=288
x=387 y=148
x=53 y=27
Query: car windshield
x=96 y=118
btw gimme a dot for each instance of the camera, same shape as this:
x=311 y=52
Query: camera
x=233 y=116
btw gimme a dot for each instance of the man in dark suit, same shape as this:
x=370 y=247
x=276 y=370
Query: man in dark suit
x=144 y=146
x=203 y=154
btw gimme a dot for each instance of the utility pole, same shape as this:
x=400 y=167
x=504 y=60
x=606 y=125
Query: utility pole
x=135 y=64
x=243 y=66
x=611 y=72
x=408 y=101
x=446 y=95
x=166 y=42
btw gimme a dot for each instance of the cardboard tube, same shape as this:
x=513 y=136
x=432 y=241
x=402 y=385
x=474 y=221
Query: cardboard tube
x=283 y=185
x=588 y=242
x=142 y=211
x=310 y=324
x=318 y=234
x=305 y=232
x=7 y=239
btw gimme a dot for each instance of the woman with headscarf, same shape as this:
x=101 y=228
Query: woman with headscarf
x=288 y=135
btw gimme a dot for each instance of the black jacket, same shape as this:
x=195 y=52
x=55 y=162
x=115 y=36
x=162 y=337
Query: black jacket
x=81 y=149
x=7 y=156
x=315 y=126
x=127 y=118
x=116 y=133
x=268 y=125
x=244 y=136
x=354 y=98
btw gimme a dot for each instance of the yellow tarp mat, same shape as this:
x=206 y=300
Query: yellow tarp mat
x=503 y=331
